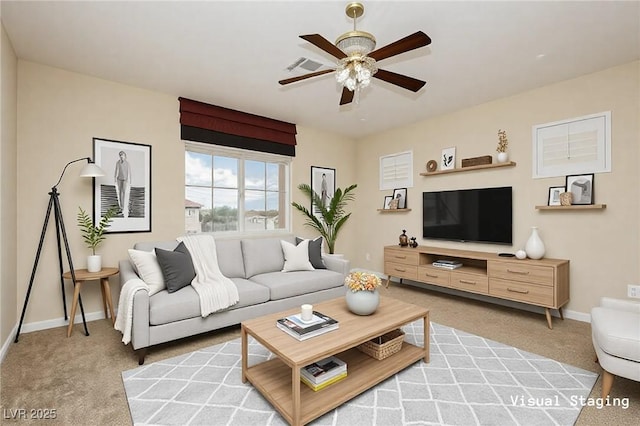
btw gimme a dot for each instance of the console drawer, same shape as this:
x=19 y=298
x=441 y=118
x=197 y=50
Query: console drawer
x=522 y=272
x=431 y=275
x=402 y=256
x=535 y=294
x=469 y=282
x=399 y=270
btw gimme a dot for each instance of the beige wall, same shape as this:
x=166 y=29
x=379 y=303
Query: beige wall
x=603 y=245
x=59 y=113
x=8 y=147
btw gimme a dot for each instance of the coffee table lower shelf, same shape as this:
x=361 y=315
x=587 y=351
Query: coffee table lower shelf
x=273 y=380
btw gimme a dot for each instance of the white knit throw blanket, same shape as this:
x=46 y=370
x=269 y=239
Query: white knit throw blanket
x=216 y=291
x=124 y=320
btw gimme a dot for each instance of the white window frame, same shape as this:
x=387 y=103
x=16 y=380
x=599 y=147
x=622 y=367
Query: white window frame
x=396 y=170
x=247 y=155
x=553 y=144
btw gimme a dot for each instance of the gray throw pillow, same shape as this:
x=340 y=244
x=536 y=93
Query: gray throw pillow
x=177 y=267
x=315 y=252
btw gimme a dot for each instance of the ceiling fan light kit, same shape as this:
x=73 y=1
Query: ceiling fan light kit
x=357 y=59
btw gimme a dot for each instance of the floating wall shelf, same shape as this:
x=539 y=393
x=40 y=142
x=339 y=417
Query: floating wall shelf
x=470 y=168
x=393 y=210
x=574 y=207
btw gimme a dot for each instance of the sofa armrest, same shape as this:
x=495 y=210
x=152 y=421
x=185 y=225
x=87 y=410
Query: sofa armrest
x=620 y=304
x=140 y=326
x=337 y=264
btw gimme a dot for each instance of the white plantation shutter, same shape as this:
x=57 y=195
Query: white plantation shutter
x=579 y=145
x=396 y=170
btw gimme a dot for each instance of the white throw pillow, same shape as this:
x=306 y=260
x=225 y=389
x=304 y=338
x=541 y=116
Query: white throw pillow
x=296 y=258
x=149 y=270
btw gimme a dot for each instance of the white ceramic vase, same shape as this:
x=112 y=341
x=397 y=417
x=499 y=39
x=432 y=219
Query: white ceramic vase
x=94 y=263
x=535 y=247
x=362 y=302
x=503 y=157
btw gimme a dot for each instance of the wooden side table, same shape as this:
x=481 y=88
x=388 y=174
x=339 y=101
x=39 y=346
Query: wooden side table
x=83 y=275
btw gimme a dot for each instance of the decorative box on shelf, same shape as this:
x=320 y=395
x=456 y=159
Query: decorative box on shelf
x=383 y=346
x=477 y=161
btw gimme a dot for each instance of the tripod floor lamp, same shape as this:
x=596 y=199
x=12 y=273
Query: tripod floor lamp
x=89 y=170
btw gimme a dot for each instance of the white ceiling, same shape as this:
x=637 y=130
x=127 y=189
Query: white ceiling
x=232 y=54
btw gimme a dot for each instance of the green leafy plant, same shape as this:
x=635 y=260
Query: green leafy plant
x=332 y=216
x=94 y=235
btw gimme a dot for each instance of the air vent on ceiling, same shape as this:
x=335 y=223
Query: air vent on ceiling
x=306 y=64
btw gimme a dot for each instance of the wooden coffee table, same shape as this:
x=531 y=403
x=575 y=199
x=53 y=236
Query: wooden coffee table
x=278 y=379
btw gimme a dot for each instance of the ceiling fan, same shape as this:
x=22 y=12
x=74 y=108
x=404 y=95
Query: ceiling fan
x=357 y=59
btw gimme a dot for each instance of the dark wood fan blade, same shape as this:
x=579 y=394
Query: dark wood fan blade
x=400 y=80
x=324 y=44
x=347 y=96
x=414 y=41
x=304 y=77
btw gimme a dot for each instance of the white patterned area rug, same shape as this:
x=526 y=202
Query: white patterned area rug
x=469 y=381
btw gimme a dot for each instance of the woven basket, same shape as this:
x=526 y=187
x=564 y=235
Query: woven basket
x=391 y=343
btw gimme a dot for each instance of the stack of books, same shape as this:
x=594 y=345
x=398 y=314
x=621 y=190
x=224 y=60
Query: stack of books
x=295 y=326
x=323 y=373
x=447 y=264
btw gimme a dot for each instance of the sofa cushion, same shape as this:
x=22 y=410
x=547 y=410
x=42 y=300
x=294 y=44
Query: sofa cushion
x=177 y=267
x=296 y=258
x=147 y=266
x=165 y=308
x=230 y=258
x=288 y=284
x=315 y=252
x=262 y=255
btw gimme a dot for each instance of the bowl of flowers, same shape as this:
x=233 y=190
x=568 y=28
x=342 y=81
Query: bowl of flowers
x=362 y=292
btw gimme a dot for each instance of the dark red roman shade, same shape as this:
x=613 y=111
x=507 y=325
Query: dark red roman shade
x=212 y=124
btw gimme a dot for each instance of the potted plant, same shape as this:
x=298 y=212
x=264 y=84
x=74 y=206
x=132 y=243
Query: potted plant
x=94 y=235
x=362 y=292
x=502 y=146
x=332 y=216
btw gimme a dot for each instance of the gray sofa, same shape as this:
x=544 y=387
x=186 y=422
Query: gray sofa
x=255 y=266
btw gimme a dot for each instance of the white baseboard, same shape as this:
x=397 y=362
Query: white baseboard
x=7 y=343
x=60 y=322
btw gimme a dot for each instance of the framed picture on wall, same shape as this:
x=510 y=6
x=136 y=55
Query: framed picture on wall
x=126 y=185
x=400 y=194
x=448 y=159
x=554 y=195
x=323 y=183
x=581 y=188
x=387 y=202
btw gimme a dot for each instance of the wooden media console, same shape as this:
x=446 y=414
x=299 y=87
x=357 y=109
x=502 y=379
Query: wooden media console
x=543 y=282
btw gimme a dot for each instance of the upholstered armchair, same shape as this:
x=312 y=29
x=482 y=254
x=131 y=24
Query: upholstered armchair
x=615 y=330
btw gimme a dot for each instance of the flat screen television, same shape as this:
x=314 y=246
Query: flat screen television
x=478 y=215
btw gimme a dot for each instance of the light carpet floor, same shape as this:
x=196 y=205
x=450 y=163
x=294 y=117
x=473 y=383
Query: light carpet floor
x=469 y=381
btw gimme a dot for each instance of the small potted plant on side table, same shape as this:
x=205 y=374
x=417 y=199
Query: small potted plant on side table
x=94 y=235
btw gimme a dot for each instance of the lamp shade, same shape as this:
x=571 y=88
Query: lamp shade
x=91 y=169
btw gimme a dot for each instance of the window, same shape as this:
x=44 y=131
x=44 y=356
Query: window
x=235 y=191
x=574 y=146
x=396 y=170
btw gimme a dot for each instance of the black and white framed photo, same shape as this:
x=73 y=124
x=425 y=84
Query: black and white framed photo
x=448 y=159
x=387 y=202
x=400 y=194
x=125 y=186
x=581 y=188
x=554 y=195
x=323 y=182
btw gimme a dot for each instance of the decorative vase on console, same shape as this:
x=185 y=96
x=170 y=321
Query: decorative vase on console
x=535 y=247
x=362 y=295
